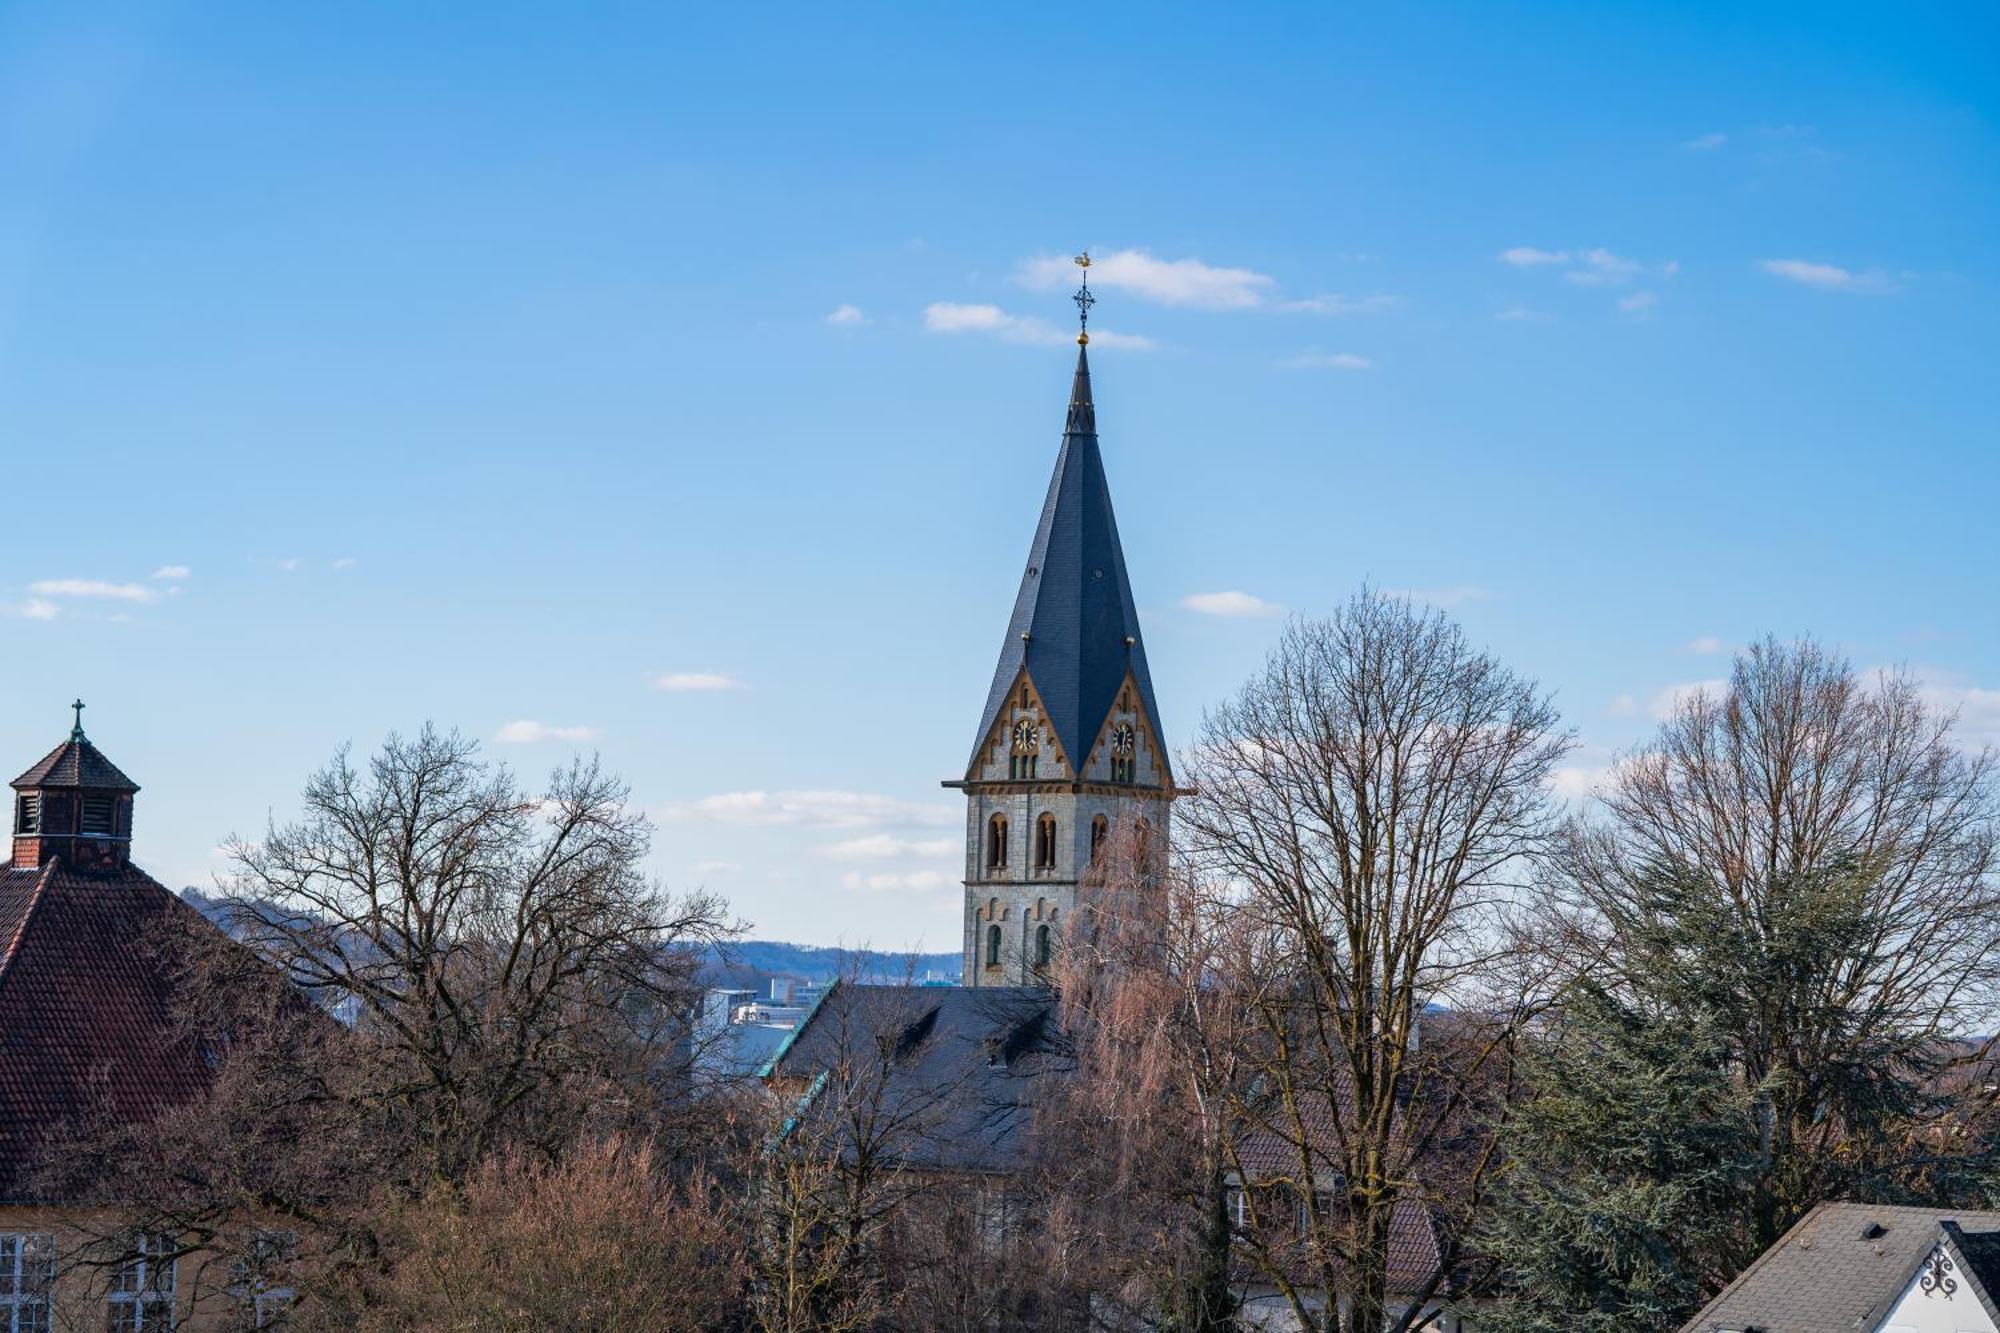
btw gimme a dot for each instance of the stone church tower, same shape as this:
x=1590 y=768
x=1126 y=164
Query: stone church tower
x=1069 y=750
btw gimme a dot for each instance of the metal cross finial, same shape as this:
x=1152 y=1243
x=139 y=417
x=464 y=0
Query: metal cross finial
x=1084 y=301
x=76 y=732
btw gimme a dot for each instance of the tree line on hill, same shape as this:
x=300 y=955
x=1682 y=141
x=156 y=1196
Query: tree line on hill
x=1600 y=1057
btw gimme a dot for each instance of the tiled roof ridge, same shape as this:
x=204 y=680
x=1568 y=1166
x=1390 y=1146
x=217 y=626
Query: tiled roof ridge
x=43 y=878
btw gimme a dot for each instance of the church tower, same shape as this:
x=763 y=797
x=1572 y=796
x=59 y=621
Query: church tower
x=1069 y=750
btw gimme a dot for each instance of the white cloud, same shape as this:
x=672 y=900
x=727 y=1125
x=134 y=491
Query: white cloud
x=1520 y=313
x=922 y=881
x=696 y=682
x=1232 y=603
x=534 y=733
x=346 y=562
x=1706 y=142
x=1978 y=709
x=846 y=316
x=1578 y=782
x=1171 y=282
x=1328 y=361
x=1334 y=303
x=290 y=564
x=887 y=847
x=1456 y=595
x=1527 y=256
x=953 y=317
x=1601 y=268
x=1622 y=705
x=1707 y=645
x=1639 y=303
x=1670 y=700
x=96 y=589
x=813 y=809
x=35 y=608
x=172 y=573
x=1828 y=277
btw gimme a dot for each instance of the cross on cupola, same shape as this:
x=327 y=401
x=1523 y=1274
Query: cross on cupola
x=73 y=806
x=1084 y=301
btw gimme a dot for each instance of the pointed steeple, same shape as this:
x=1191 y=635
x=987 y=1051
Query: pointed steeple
x=1075 y=627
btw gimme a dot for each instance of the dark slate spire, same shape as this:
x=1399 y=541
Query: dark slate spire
x=1074 y=627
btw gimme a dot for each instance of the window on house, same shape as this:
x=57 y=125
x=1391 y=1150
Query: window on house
x=259 y=1283
x=141 y=1299
x=97 y=813
x=996 y=843
x=1044 y=946
x=1099 y=831
x=993 y=946
x=27 y=1273
x=28 y=813
x=1045 y=843
x=1238 y=1205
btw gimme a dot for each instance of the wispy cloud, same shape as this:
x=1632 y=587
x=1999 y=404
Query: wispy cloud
x=921 y=881
x=1594 y=266
x=1527 y=256
x=1639 y=303
x=171 y=574
x=1336 y=303
x=1170 y=282
x=1456 y=595
x=696 y=682
x=846 y=316
x=346 y=562
x=1706 y=143
x=955 y=317
x=291 y=564
x=1518 y=313
x=887 y=847
x=35 y=608
x=1829 y=277
x=1328 y=361
x=1706 y=645
x=93 y=589
x=813 y=809
x=1978 y=709
x=1601 y=268
x=535 y=733
x=1236 y=604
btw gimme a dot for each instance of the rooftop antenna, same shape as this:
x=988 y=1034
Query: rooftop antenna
x=1084 y=301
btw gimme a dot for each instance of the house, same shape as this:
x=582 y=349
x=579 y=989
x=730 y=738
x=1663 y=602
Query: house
x=1868 y=1268
x=88 y=1030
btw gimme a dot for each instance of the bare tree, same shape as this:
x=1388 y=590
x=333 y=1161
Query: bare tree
x=506 y=963
x=1805 y=861
x=1370 y=799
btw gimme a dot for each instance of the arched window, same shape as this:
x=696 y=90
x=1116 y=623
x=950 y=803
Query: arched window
x=1124 y=745
x=1100 y=829
x=996 y=843
x=1043 y=946
x=993 y=946
x=1142 y=842
x=1045 y=842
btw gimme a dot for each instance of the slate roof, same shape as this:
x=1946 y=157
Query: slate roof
x=958 y=1069
x=1075 y=604
x=86 y=1020
x=1831 y=1273
x=75 y=763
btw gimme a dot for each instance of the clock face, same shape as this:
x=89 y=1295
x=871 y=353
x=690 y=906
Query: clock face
x=1026 y=738
x=1122 y=742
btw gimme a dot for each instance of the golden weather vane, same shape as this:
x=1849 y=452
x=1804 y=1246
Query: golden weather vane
x=1084 y=301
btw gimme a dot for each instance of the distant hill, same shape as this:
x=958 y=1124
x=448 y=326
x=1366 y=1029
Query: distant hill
x=750 y=963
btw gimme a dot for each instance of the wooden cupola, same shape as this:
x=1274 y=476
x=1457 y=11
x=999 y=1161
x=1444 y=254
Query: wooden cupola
x=74 y=805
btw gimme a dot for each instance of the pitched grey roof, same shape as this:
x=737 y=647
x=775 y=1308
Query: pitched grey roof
x=1843 y=1265
x=957 y=1070
x=1074 y=625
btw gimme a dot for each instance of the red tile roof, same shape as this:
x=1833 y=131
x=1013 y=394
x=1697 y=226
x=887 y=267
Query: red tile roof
x=75 y=763
x=86 y=1007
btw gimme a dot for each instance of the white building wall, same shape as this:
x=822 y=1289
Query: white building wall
x=1956 y=1310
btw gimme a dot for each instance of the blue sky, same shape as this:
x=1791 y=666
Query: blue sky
x=374 y=363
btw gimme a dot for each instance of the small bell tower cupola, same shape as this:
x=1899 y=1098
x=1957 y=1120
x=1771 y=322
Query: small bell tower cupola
x=74 y=806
